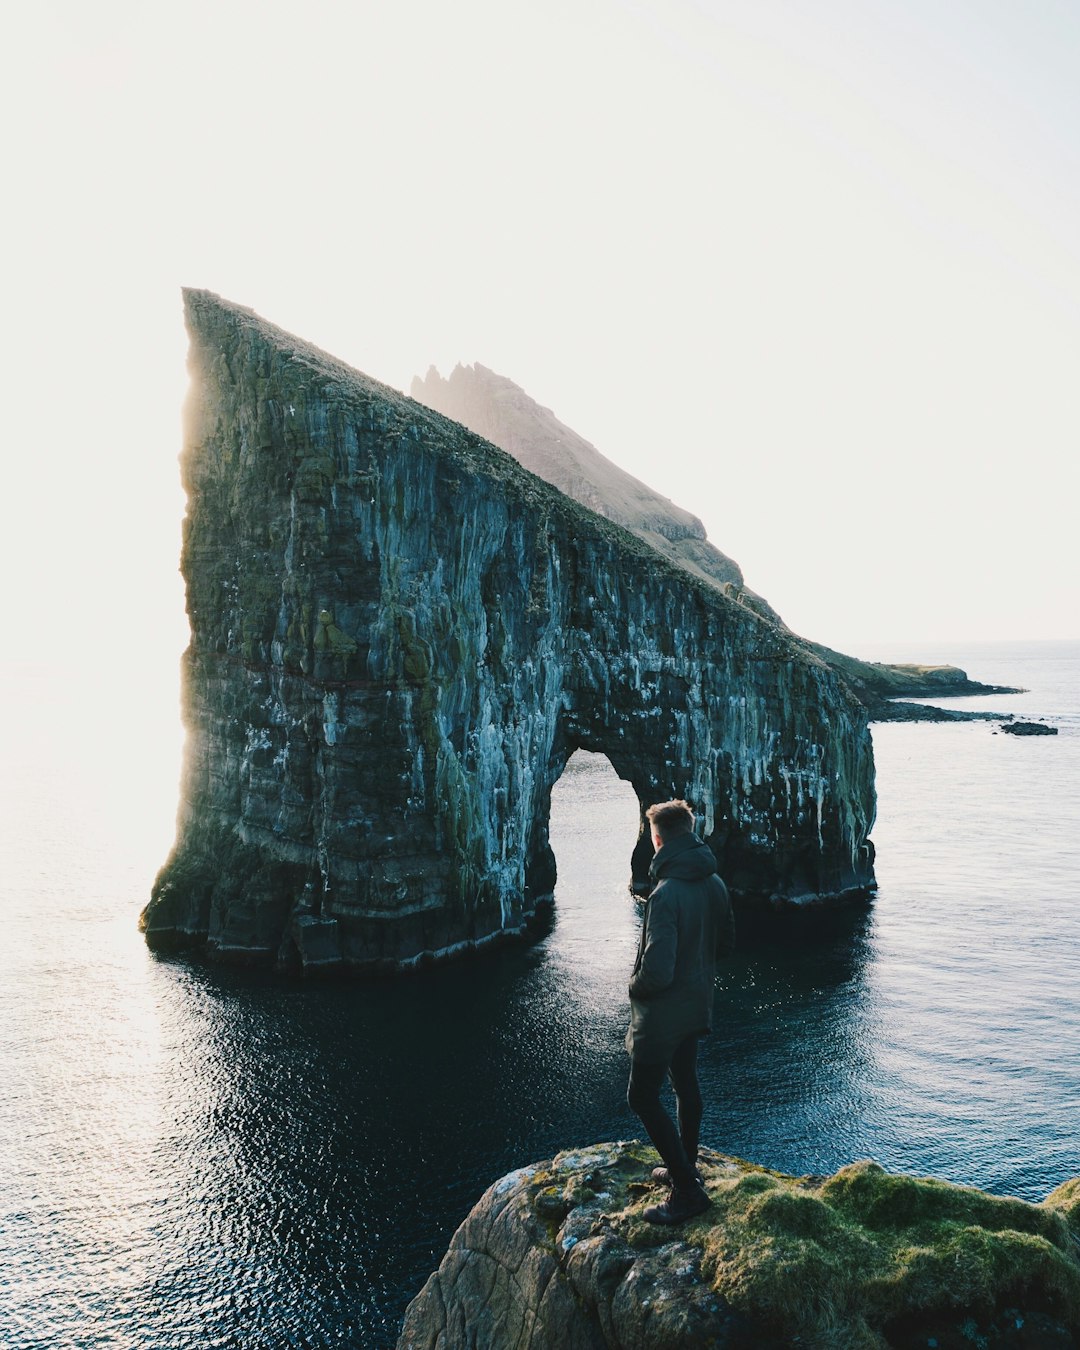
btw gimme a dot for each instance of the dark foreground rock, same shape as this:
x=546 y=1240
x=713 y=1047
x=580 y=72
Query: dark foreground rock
x=399 y=637
x=557 y=1257
x=1028 y=729
x=502 y=412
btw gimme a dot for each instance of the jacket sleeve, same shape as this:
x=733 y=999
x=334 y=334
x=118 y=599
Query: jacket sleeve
x=725 y=924
x=656 y=969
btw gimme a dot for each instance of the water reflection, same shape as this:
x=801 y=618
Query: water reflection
x=327 y=1139
x=201 y=1156
x=789 y=1063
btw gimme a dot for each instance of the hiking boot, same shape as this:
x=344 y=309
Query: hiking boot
x=683 y=1203
x=663 y=1177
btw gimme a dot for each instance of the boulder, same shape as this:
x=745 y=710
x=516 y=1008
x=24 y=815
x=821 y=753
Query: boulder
x=557 y=1256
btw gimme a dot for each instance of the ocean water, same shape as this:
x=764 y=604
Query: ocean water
x=195 y=1157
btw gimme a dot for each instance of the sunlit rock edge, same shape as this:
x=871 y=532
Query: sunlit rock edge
x=399 y=636
x=557 y=1254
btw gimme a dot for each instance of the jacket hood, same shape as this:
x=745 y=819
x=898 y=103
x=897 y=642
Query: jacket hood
x=684 y=858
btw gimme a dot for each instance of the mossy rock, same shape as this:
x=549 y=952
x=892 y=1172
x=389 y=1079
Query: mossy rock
x=864 y=1247
x=860 y=1259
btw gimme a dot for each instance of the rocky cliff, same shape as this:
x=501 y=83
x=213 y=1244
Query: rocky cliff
x=501 y=411
x=556 y=1256
x=399 y=636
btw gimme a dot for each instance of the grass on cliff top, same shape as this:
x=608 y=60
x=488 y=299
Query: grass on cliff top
x=834 y=1261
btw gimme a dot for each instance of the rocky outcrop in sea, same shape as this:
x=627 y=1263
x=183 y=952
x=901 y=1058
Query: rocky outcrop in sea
x=398 y=638
x=557 y=1256
x=498 y=409
x=1029 y=729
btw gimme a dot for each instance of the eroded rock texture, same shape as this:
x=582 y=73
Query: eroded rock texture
x=557 y=1256
x=399 y=636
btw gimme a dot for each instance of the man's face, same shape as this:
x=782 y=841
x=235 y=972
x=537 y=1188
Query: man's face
x=657 y=842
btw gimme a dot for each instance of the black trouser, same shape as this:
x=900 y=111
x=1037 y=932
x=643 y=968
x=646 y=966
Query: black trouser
x=677 y=1147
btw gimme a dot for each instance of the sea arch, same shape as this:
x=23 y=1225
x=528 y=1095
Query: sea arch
x=398 y=637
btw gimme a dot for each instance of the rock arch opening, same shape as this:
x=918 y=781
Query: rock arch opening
x=593 y=829
x=593 y=824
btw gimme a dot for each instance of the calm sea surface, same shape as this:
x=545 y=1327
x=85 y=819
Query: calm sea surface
x=192 y=1157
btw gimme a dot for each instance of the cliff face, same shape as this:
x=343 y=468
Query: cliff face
x=501 y=411
x=399 y=636
x=556 y=1256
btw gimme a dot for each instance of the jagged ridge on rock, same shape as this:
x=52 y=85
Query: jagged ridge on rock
x=501 y=411
x=496 y=408
x=556 y=1256
x=398 y=638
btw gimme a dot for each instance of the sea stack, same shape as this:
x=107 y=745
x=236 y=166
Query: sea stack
x=398 y=638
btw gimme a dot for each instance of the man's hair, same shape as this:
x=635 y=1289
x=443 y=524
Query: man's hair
x=671 y=818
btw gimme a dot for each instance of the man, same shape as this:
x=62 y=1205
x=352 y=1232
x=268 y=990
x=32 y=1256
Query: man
x=688 y=924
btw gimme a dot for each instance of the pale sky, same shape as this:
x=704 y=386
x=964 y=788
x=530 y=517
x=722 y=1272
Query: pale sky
x=812 y=269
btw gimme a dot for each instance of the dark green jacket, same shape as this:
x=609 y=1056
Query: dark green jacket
x=688 y=924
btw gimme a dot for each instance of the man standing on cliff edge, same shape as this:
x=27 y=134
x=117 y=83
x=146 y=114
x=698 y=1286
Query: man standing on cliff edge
x=688 y=924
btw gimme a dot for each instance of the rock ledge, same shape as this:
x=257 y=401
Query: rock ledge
x=558 y=1255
